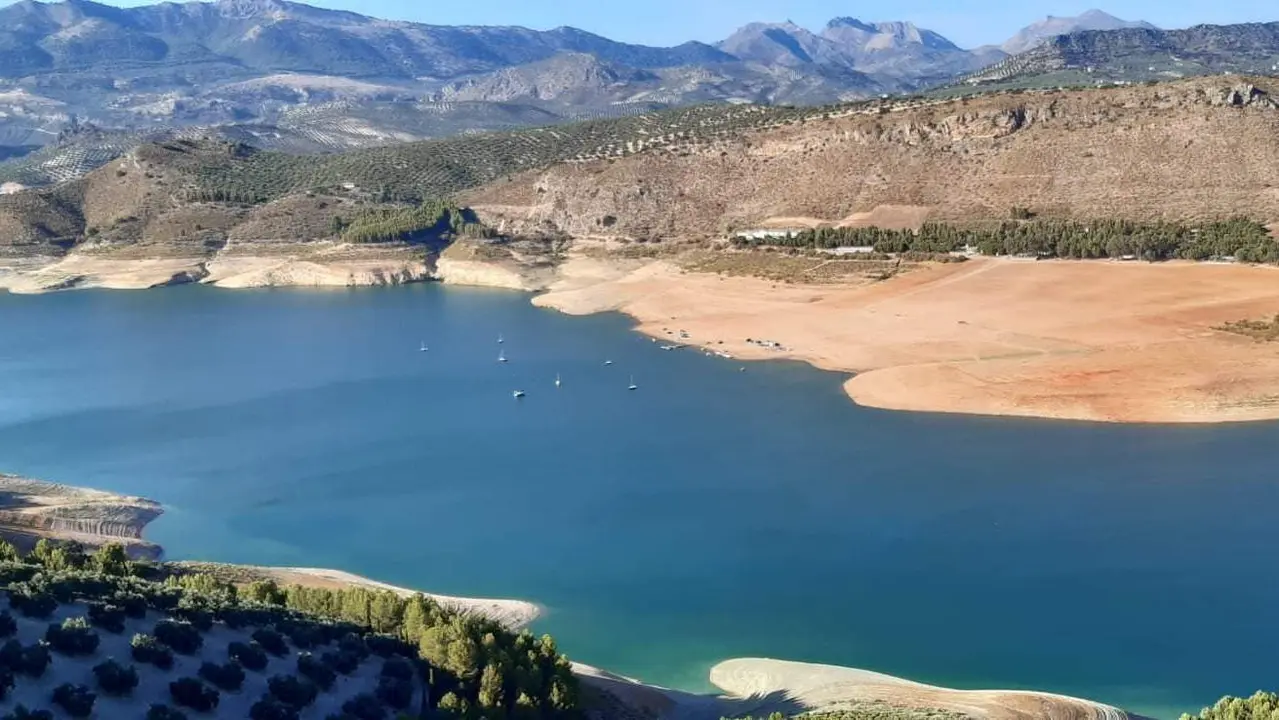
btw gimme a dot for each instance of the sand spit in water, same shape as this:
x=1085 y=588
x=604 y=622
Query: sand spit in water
x=1084 y=340
x=757 y=687
x=828 y=688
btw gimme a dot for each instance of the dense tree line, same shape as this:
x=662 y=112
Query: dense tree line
x=475 y=667
x=481 y=667
x=1261 y=706
x=430 y=218
x=1242 y=239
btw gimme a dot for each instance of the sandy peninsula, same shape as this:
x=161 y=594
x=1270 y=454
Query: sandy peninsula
x=1082 y=340
x=781 y=684
x=755 y=687
x=31 y=510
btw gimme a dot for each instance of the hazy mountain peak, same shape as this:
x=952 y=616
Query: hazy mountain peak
x=850 y=22
x=1033 y=35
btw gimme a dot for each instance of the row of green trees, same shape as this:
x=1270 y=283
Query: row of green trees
x=1243 y=239
x=485 y=667
x=475 y=667
x=430 y=219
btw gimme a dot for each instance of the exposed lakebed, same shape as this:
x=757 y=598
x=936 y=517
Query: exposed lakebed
x=710 y=514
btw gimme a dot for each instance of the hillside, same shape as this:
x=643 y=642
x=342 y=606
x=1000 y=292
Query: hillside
x=1186 y=151
x=1035 y=34
x=288 y=76
x=1139 y=54
x=101 y=636
x=1189 y=151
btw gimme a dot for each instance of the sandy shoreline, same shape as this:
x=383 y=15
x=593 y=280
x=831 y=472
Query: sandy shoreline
x=1079 y=340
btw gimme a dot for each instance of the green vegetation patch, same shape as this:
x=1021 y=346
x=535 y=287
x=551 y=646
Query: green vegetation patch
x=1261 y=706
x=1238 y=239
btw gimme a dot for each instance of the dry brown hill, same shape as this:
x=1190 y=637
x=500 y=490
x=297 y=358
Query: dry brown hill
x=1191 y=150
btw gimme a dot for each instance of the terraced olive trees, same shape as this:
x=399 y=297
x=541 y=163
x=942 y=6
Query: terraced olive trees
x=190 y=645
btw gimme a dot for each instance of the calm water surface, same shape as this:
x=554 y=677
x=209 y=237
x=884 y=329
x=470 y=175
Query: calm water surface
x=711 y=514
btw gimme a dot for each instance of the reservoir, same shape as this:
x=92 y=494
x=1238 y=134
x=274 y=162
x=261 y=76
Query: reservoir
x=710 y=513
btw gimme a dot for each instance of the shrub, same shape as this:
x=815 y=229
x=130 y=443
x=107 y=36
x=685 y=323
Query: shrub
x=395 y=692
x=182 y=638
x=22 y=713
x=134 y=605
x=164 y=712
x=316 y=671
x=229 y=677
x=73 y=637
x=11 y=654
x=271 y=641
x=201 y=620
x=386 y=646
x=115 y=679
x=397 y=668
x=354 y=644
x=191 y=693
x=6 y=682
x=344 y=663
x=364 y=707
x=35 y=660
x=8 y=626
x=146 y=649
x=164 y=599
x=76 y=700
x=269 y=708
x=306 y=636
x=34 y=605
x=292 y=691
x=250 y=655
x=108 y=617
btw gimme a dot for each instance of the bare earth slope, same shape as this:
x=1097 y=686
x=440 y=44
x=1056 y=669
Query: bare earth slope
x=1094 y=340
x=1183 y=151
x=32 y=509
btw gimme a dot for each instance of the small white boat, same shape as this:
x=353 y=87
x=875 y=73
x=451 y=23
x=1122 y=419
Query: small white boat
x=501 y=356
x=633 y=385
x=500 y=340
x=424 y=348
x=608 y=362
x=517 y=394
x=557 y=379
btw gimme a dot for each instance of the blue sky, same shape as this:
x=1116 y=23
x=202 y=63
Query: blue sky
x=665 y=22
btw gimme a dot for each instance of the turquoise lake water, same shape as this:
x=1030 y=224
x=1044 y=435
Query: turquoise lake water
x=710 y=514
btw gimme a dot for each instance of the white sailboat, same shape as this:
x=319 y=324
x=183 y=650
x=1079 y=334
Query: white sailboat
x=424 y=348
x=500 y=340
x=633 y=385
x=608 y=362
x=517 y=394
x=501 y=356
x=557 y=379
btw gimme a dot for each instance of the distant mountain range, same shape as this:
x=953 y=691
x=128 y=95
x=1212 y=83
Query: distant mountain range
x=304 y=78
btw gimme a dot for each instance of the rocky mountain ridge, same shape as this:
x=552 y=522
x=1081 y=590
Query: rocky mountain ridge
x=332 y=80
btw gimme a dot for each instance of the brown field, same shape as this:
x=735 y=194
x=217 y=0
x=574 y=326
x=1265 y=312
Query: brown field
x=1102 y=341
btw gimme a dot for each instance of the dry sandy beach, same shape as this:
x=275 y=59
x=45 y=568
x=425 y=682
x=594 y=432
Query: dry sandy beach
x=1086 y=340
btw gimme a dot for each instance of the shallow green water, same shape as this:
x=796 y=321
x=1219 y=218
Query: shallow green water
x=708 y=515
